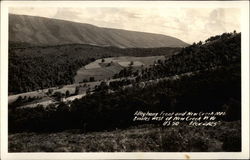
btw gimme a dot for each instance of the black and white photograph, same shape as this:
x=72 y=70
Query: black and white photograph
x=126 y=77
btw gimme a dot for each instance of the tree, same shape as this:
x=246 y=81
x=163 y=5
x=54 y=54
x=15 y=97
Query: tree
x=58 y=96
x=103 y=86
x=88 y=91
x=91 y=79
x=77 y=90
x=84 y=80
x=67 y=93
x=50 y=91
x=92 y=59
x=199 y=43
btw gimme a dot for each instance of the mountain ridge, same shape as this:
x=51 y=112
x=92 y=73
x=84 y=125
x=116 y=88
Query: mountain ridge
x=46 y=31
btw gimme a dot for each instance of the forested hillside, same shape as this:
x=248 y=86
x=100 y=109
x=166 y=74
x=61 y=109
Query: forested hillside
x=220 y=50
x=47 y=31
x=32 y=68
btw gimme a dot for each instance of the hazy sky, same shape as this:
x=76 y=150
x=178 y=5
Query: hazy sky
x=187 y=24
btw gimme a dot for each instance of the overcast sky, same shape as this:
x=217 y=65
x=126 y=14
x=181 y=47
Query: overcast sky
x=187 y=24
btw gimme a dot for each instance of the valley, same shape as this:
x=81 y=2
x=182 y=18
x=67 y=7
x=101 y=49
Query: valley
x=39 y=67
x=75 y=87
x=98 y=70
x=106 y=68
x=45 y=99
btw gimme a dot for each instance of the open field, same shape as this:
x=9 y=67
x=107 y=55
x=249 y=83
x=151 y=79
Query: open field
x=149 y=60
x=105 y=68
x=146 y=138
x=45 y=101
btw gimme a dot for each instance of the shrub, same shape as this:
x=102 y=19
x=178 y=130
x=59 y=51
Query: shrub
x=172 y=142
x=232 y=142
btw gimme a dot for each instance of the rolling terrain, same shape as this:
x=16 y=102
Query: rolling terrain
x=45 y=53
x=38 y=67
x=45 y=31
x=100 y=71
x=83 y=85
x=110 y=66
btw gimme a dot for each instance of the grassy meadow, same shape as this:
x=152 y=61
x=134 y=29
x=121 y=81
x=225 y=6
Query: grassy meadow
x=106 y=68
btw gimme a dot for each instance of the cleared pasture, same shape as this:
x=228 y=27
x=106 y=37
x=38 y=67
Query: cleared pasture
x=102 y=69
x=97 y=73
x=92 y=65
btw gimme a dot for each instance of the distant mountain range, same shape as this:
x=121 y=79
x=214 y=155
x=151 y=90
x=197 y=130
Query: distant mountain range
x=45 y=31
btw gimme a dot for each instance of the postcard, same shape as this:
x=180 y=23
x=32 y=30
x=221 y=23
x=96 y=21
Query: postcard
x=125 y=79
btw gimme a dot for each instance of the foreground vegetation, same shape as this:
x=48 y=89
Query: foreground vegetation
x=147 y=138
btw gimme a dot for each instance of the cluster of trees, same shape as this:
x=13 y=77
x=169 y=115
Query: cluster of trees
x=22 y=101
x=27 y=73
x=115 y=85
x=220 y=50
x=222 y=36
x=32 y=68
x=127 y=72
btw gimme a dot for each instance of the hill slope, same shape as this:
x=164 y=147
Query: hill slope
x=217 y=51
x=46 y=31
x=32 y=68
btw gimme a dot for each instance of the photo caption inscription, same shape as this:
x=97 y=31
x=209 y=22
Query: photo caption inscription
x=211 y=119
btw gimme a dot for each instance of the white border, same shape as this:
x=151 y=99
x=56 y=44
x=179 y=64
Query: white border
x=243 y=5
